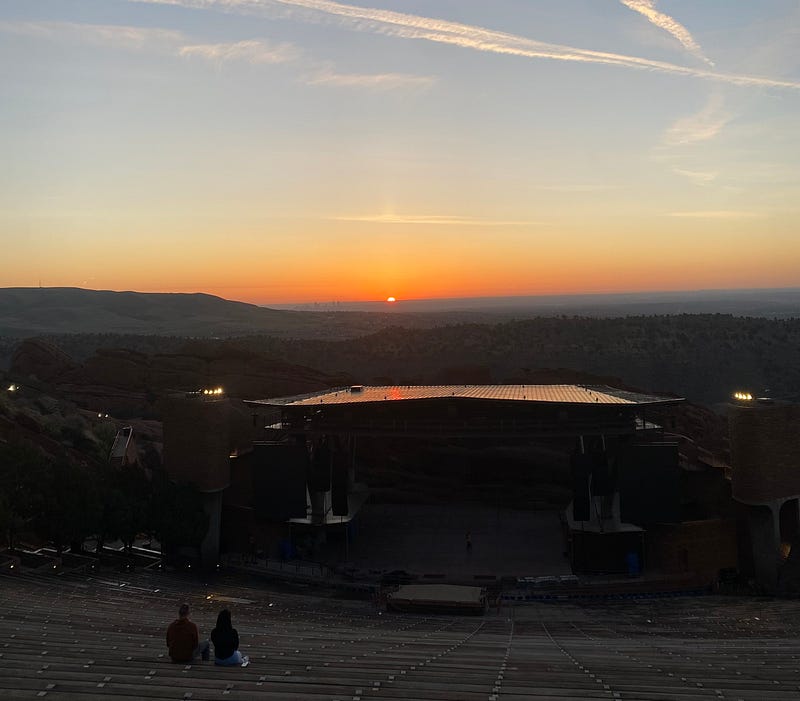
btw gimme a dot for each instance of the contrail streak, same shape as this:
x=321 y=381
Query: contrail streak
x=407 y=26
x=668 y=24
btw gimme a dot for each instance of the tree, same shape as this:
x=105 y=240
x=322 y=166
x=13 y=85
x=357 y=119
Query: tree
x=10 y=521
x=177 y=513
x=22 y=471
x=124 y=512
x=66 y=503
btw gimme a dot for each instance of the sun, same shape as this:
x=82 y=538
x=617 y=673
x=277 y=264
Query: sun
x=391 y=300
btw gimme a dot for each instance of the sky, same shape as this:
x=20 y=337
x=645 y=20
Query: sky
x=278 y=151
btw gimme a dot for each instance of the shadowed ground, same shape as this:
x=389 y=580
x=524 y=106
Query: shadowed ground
x=431 y=539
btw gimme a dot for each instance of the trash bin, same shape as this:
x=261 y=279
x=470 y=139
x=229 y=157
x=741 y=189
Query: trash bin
x=632 y=562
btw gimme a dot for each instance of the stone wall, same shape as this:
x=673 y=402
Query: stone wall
x=765 y=451
x=702 y=548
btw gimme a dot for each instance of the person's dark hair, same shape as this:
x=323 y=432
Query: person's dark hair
x=183 y=610
x=224 y=620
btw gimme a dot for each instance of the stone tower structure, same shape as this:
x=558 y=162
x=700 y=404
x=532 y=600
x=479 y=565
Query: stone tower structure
x=765 y=461
x=197 y=448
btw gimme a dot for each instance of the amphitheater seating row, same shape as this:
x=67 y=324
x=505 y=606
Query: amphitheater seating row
x=87 y=637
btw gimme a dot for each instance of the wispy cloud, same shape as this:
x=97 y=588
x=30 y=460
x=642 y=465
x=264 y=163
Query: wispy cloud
x=717 y=214
x=701 y=126
x=115 y=35
x=680 y=142
x=32 y=29
x=698 y=177
x=578 y=187
x=409 y=26
x=257 y=51
x=251 y=50
x=435 y=219
x=668 y=24
x=374 y=81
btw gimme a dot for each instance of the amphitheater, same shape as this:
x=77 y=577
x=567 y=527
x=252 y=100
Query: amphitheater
x=95 y=637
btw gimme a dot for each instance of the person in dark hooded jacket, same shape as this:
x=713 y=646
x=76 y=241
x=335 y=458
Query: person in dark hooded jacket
x=226 y=642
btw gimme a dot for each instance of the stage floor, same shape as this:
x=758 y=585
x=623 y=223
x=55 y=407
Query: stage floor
x=432 y=539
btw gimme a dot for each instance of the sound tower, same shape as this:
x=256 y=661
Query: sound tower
x=339 y=482
x=279 y=480
x=320 y=476
x=649 y=484
x=580 y=468
x=603 y=479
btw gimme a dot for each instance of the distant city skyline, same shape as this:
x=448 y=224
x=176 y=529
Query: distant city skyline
x=290 y=151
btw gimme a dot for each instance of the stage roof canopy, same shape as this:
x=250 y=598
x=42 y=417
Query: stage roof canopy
x=542 y=394
x=469 y=411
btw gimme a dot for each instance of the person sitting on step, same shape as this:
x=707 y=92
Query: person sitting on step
x=226 y=642
x=183 y=639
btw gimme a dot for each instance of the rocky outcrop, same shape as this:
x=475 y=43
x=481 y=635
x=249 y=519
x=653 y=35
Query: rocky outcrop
x=38 y=360
x=128 y=383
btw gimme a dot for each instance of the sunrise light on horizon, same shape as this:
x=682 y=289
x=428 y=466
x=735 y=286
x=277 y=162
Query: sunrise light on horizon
x=282 y=151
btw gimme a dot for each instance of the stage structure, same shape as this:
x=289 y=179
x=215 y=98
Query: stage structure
x=625 y=475
x=279 y=475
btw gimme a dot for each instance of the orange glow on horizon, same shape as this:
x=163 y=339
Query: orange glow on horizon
x=343 y=266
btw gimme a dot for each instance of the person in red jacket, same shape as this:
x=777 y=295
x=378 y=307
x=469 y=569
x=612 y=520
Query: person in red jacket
x=183 y=639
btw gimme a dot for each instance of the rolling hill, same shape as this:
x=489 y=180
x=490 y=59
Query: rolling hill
x=30 y=311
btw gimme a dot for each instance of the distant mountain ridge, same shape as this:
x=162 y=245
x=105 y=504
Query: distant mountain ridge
x=54 y=311
x=32 y=311
x=701 y=357
x=25 y=311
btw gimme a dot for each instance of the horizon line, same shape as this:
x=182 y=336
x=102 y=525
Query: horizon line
x=628 y=293
x=402 y=300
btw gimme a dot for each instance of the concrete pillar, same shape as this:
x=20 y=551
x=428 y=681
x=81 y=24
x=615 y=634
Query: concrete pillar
x=797 y=503
x=209 y=549
x=764 y=526
x=318 y=504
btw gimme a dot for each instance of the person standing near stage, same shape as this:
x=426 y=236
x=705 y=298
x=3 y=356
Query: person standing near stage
x=226 y=642
x=183 y=639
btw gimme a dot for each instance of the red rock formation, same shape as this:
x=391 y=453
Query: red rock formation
x=129 y=383
x=38 y=360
